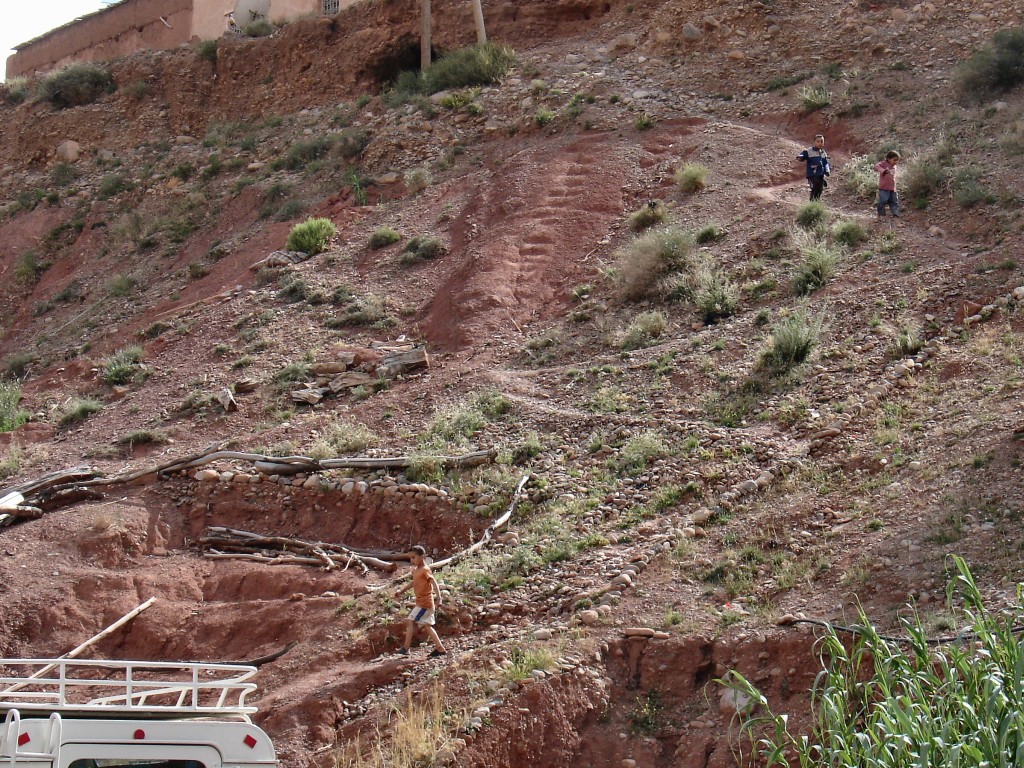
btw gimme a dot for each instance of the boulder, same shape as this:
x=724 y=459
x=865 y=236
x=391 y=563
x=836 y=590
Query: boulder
x=69 y=151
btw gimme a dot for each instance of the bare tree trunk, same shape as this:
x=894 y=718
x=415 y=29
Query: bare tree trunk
x=424 y=35
x=478 y=19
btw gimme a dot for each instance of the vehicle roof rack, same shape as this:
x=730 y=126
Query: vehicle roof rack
x=153 y=689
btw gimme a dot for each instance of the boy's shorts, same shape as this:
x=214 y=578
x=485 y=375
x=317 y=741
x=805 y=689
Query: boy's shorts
x=422 y=616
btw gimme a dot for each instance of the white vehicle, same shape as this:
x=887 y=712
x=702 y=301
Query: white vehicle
x=71 y=713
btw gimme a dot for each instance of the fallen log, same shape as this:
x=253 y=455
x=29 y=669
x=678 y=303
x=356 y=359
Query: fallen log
x=64 y=487
x=259 y=662
x=236 y=535
x=77 y=650
x=61 y=497
x=489 y=532
x=57 y=478
x=467 y=460
x=230 y=540
x=267 y=559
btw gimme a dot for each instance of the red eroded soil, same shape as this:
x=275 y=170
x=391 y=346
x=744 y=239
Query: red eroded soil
x=634 y=445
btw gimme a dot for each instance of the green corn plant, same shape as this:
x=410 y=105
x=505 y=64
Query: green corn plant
x=880 y=702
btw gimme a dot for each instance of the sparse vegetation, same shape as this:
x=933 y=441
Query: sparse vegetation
x=526 y=660
x=11 y=462
x=363 y=310
x=383 y=237
x=207 y=50
x=112 y=185
x=143 y=437
x=709 y=233
x=76 y=85
x=715 y=295
x=643 y=122
x=29 y=267
x=463 y=68
x=15 y=90
x=849 y=233
x=819 y=264
x=927 y=173
x=16 y=366
x=123 y=367
x=995 y=68
x=644 y=330
x=63 y=174
x=419 y=733
x=342 y=438
x=813 y=98
x=417 y=179
x=692 y=178
x=421 y=249
x=258 y=28
x=812 y=214
x=793 y=339
x=311 y=236
x=654 y=212
x=11 y=416
x=906 y=341
x=860 y=176
x=77 y=410
x=651 y=265
x=543 y=116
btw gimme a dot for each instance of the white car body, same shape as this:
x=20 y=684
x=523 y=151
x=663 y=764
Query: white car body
x=65 y=713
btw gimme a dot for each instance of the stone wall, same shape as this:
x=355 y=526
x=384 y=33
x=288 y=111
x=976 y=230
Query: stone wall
x=107 y=34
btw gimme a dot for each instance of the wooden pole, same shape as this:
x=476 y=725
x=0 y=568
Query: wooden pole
x=478 y=20
x=91 y=641
x=424 y=35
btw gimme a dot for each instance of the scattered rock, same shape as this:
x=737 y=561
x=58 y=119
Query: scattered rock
x=68 y=151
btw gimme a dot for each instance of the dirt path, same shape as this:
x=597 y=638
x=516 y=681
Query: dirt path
x=512 y=267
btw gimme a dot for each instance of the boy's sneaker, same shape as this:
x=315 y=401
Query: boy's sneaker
x=435 y=653
x=402 y=651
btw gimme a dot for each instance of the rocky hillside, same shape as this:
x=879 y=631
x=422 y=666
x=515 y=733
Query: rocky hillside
x=730 y=409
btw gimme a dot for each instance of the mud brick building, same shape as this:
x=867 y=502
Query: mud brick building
x=133 y=25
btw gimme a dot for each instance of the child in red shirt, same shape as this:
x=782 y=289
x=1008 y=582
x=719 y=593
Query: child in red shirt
x=887 y=184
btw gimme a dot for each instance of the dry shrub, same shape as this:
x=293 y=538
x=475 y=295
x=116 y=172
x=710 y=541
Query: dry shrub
x=418 y=736
x=652 y=263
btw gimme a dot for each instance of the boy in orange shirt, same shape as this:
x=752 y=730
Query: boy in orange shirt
x=424 y=586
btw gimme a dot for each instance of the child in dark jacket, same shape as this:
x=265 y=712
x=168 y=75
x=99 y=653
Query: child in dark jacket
x=817 y=166
x=887 y=184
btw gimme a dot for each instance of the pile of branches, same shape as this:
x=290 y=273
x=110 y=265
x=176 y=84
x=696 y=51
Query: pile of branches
x=220 y=543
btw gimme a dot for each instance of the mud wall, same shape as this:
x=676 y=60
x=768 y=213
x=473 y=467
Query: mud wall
x=209 y=18
x=306 y=64
x=107 y=34
x=283 y=10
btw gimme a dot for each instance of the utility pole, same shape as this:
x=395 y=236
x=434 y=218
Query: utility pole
x=478 y=20
x=424 y=35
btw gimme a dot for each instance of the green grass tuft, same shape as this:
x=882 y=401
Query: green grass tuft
x=691 y=178
x=793 y=339
x=311 y=236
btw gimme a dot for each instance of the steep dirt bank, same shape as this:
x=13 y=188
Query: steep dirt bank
x=308 y=64
x=674 y=485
